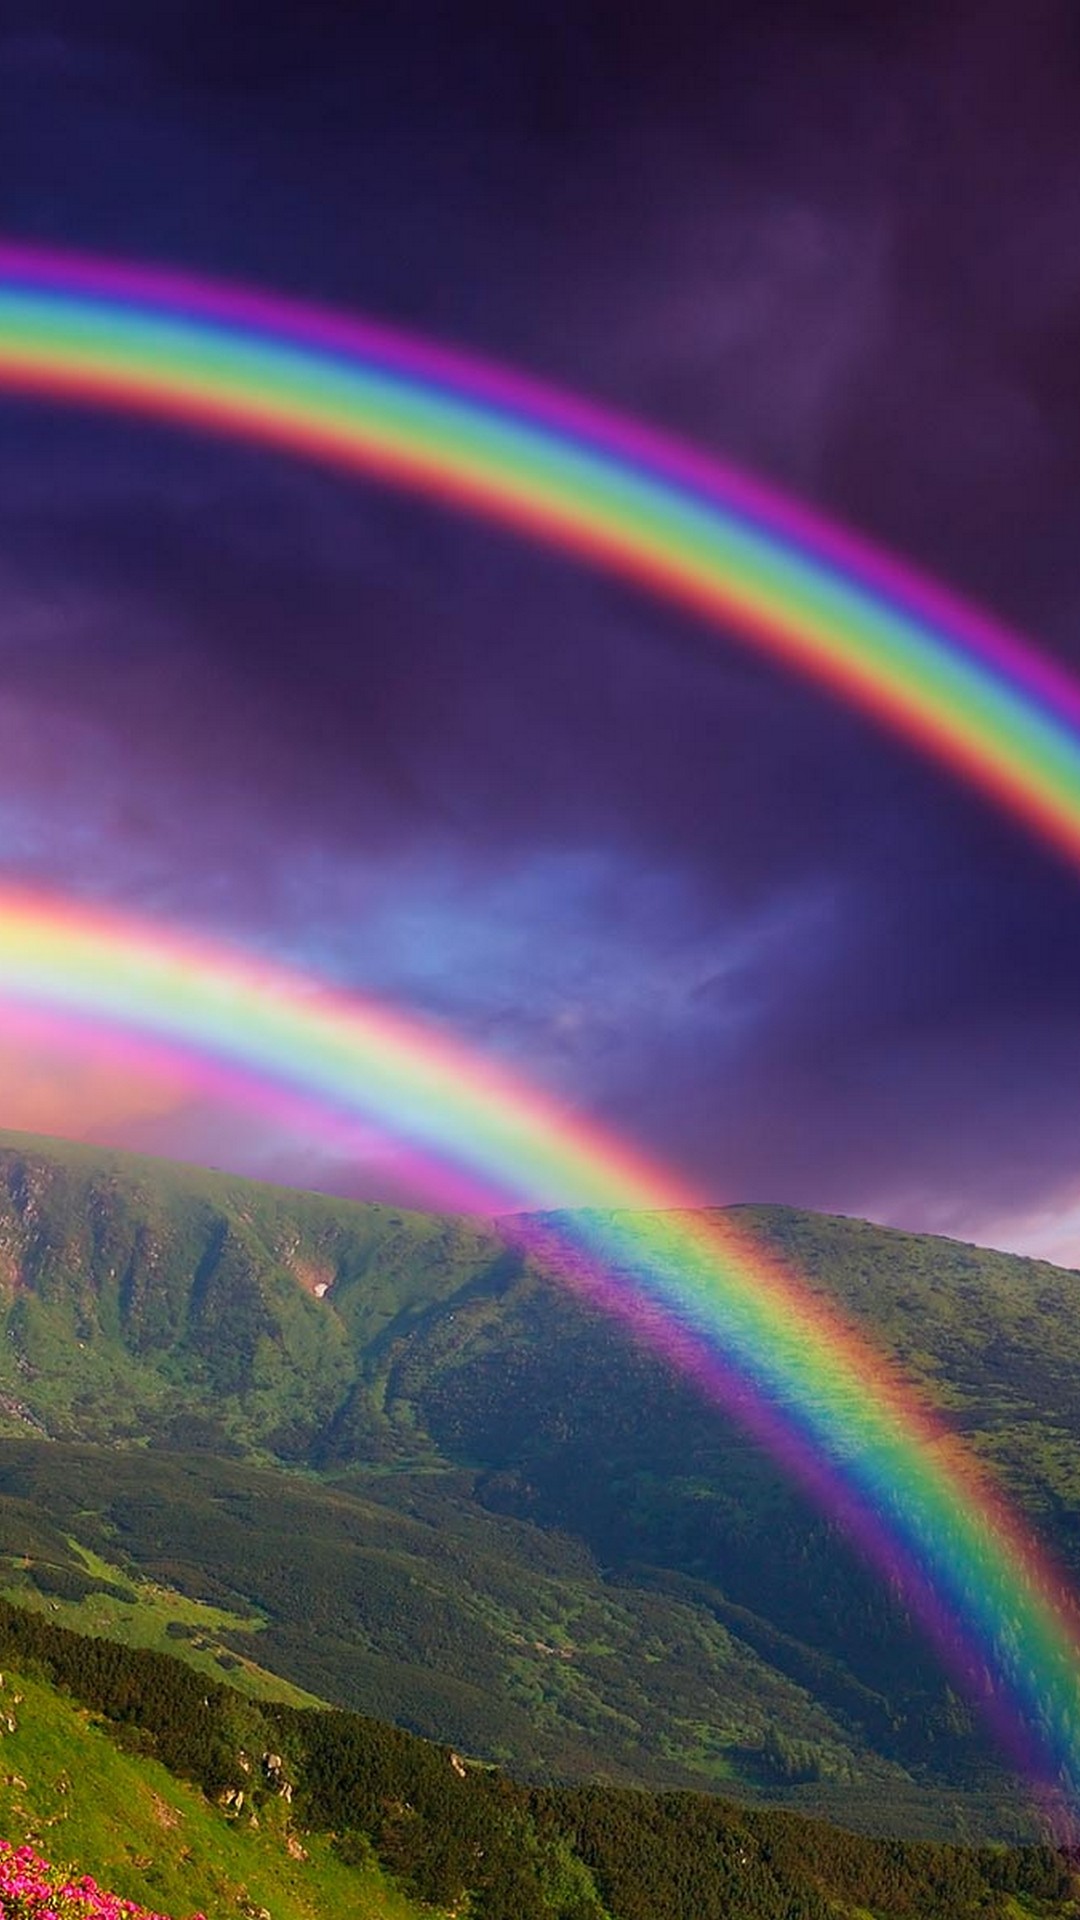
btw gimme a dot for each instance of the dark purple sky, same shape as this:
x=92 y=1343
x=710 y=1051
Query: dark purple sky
x=839 y=244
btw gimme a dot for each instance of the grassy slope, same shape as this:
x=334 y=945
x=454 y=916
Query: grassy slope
x=65 y=1786
x=465 y=1838
x=139 y=1613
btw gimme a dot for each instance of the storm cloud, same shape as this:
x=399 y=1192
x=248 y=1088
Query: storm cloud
x=691 y=895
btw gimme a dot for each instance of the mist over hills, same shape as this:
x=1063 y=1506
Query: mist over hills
x=416 y=1478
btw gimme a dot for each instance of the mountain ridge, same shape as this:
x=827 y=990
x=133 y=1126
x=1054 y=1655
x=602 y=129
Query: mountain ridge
x=458 y=1496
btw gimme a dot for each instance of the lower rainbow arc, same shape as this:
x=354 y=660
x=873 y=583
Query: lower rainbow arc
x=690 y=1285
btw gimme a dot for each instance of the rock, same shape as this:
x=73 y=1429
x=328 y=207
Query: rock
x=273 y=1767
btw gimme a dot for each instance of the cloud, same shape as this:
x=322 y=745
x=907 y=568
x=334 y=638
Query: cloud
x=613 y=848
x=1048 y=1231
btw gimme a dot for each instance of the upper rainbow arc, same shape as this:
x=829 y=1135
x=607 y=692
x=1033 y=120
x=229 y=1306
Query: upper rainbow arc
x=521 y=395
x=363 y=397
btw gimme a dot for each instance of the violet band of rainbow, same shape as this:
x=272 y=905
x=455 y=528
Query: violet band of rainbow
x=371 y=401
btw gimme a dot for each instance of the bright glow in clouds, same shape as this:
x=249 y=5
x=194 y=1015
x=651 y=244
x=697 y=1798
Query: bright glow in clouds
x=367 y=400
x=1047 y=1232
x=47 y=1089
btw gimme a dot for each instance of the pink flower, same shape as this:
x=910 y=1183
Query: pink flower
x=30 y=1889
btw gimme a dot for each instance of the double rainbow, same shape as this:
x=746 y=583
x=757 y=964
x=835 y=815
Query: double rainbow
x=372 y=401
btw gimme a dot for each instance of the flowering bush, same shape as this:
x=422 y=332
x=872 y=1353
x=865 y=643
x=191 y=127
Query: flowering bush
x=32 y=1890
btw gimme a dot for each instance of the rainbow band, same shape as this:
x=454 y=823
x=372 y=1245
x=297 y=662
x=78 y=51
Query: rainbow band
x=371 y=401
x=367 y=399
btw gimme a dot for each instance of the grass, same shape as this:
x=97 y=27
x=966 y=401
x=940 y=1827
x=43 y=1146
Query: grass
x=70 y=1791
x=145 y=1620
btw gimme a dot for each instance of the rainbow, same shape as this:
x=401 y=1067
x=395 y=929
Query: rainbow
x=372 y=401
x=687 y=1282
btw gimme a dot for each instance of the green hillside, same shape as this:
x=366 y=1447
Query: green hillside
x=183 y=1796
x=68 y=1788
x=396 y=1466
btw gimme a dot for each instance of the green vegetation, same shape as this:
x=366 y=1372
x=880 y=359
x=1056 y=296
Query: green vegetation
x=69 y=1787
x=383 y=1454
x=525 y=1647
x=181 y=1793
x=83 y=1591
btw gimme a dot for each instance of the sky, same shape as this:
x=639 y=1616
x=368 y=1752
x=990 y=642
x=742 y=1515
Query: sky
x=692 y=896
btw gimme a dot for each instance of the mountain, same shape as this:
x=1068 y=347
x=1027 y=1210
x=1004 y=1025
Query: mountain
x=381 y=1455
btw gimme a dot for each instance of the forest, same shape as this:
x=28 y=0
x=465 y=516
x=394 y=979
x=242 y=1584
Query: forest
x=448 y=1832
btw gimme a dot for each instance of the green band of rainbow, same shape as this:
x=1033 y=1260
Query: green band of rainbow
x=373 y=402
